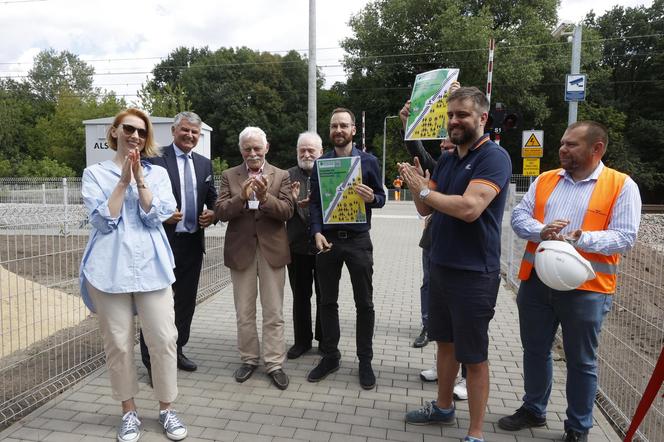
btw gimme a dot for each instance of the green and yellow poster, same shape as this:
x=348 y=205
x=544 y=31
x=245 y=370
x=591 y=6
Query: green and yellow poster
x=428 y=105
x=339 y=201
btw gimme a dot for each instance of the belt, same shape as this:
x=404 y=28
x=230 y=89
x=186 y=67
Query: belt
x=343 y=234
x=186 y=233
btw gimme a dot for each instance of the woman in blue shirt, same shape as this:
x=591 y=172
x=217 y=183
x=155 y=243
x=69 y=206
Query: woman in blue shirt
x=127 y=268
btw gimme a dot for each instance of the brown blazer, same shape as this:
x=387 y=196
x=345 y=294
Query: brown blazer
x=249 y=229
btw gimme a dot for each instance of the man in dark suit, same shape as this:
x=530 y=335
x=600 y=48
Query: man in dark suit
x=192 y=181
x=302 y=269
x=255 y=199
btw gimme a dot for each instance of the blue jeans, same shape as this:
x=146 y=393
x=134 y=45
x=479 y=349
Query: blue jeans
x=580 y=314
x=424 y=290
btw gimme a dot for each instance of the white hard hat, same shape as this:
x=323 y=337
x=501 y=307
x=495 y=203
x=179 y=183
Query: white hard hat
x=560 y=266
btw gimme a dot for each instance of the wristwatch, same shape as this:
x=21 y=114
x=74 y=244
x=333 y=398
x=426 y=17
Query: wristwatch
x=424 y=193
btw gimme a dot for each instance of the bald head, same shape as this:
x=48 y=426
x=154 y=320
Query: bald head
x=309 y=148
x=594 y=133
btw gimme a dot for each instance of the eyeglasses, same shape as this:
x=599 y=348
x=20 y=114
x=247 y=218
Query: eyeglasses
x=342 y=126
x=129 y=130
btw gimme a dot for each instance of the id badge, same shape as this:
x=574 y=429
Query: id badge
x=253 y=204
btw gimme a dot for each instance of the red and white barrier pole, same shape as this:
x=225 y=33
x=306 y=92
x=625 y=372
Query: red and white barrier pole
x=489 y=75
x=654 y=385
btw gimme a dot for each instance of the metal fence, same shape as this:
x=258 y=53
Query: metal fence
x=48 y=339
x=632 y=334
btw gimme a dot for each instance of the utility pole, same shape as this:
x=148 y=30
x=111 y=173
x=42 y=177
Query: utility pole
x=385 y=142
x=311 y=102
x=575 y=69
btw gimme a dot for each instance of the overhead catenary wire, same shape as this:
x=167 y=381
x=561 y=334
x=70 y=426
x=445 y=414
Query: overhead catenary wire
x=499 y=46
x=473 y=56
x=381 y=88
x=6 y=2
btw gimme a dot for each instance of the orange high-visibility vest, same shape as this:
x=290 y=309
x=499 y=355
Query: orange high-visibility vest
x=598 y=216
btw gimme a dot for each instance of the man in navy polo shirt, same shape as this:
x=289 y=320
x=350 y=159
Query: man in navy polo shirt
x=349 y=244
x=466 y=195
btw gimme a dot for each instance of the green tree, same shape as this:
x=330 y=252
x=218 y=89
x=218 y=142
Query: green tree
x=633 y=58
x=234 y=88
x=219 y=165
x=5 y=168
x=165 y=102
x=169 y=71
x=19 y=110
x=54 y=72
x=45 y=167
x=394 y=40
x=62 y=134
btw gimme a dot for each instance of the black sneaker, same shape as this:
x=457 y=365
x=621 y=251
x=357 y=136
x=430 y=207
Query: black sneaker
x=523 y=418
x=422 y=340
x=325 y=367
x=367 y=377
x=575 y=436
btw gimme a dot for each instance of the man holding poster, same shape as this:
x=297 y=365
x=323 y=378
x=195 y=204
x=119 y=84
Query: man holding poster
x=466 y=195
x=340 y=223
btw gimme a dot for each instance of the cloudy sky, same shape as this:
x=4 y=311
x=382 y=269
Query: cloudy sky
x=124 y=39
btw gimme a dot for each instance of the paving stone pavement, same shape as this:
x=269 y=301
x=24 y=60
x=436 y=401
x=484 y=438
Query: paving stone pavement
x=215 y=407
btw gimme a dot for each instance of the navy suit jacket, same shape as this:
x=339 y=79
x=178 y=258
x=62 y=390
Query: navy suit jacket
x=206 y=193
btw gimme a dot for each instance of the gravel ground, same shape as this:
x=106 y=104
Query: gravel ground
x=651 y=230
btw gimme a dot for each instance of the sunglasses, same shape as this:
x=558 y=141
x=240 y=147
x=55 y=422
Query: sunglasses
x=129 y=130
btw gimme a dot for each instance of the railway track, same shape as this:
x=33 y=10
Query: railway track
x=652 y=208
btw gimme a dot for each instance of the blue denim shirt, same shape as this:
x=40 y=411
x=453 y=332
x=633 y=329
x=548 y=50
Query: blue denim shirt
x=129 y=253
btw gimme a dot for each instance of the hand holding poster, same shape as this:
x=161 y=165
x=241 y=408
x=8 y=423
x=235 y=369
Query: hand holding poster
x=339 y=201
x=428 y=105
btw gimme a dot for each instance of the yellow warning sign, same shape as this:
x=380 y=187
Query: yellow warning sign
x=532 y=144
x=532 y=152
x=533 y=141
x=531 y=166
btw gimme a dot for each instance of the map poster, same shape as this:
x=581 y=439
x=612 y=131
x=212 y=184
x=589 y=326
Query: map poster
x=338 y=199
x=428 y=105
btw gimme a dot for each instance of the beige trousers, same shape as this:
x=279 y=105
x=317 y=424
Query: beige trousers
x=116 y=321
x=245 y=292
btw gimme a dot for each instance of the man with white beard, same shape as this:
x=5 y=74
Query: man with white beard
x=255 y=200
x=302 y=269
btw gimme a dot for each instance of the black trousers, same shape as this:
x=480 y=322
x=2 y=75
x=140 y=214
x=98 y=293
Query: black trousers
x=188 y=253
x=356 y=251
x=302 y=277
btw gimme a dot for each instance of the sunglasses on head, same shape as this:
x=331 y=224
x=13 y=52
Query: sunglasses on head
x=129 y=130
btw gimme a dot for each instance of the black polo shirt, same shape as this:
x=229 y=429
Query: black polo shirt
x=476 y=245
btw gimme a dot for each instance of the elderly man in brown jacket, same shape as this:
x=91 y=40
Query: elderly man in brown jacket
x=255 y=199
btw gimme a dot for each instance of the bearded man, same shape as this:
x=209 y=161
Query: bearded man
x=302 y=269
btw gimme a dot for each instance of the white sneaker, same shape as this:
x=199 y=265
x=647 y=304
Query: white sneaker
x=460 y=391
x=173 y=427
x=430 y=375
x=130 y=428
